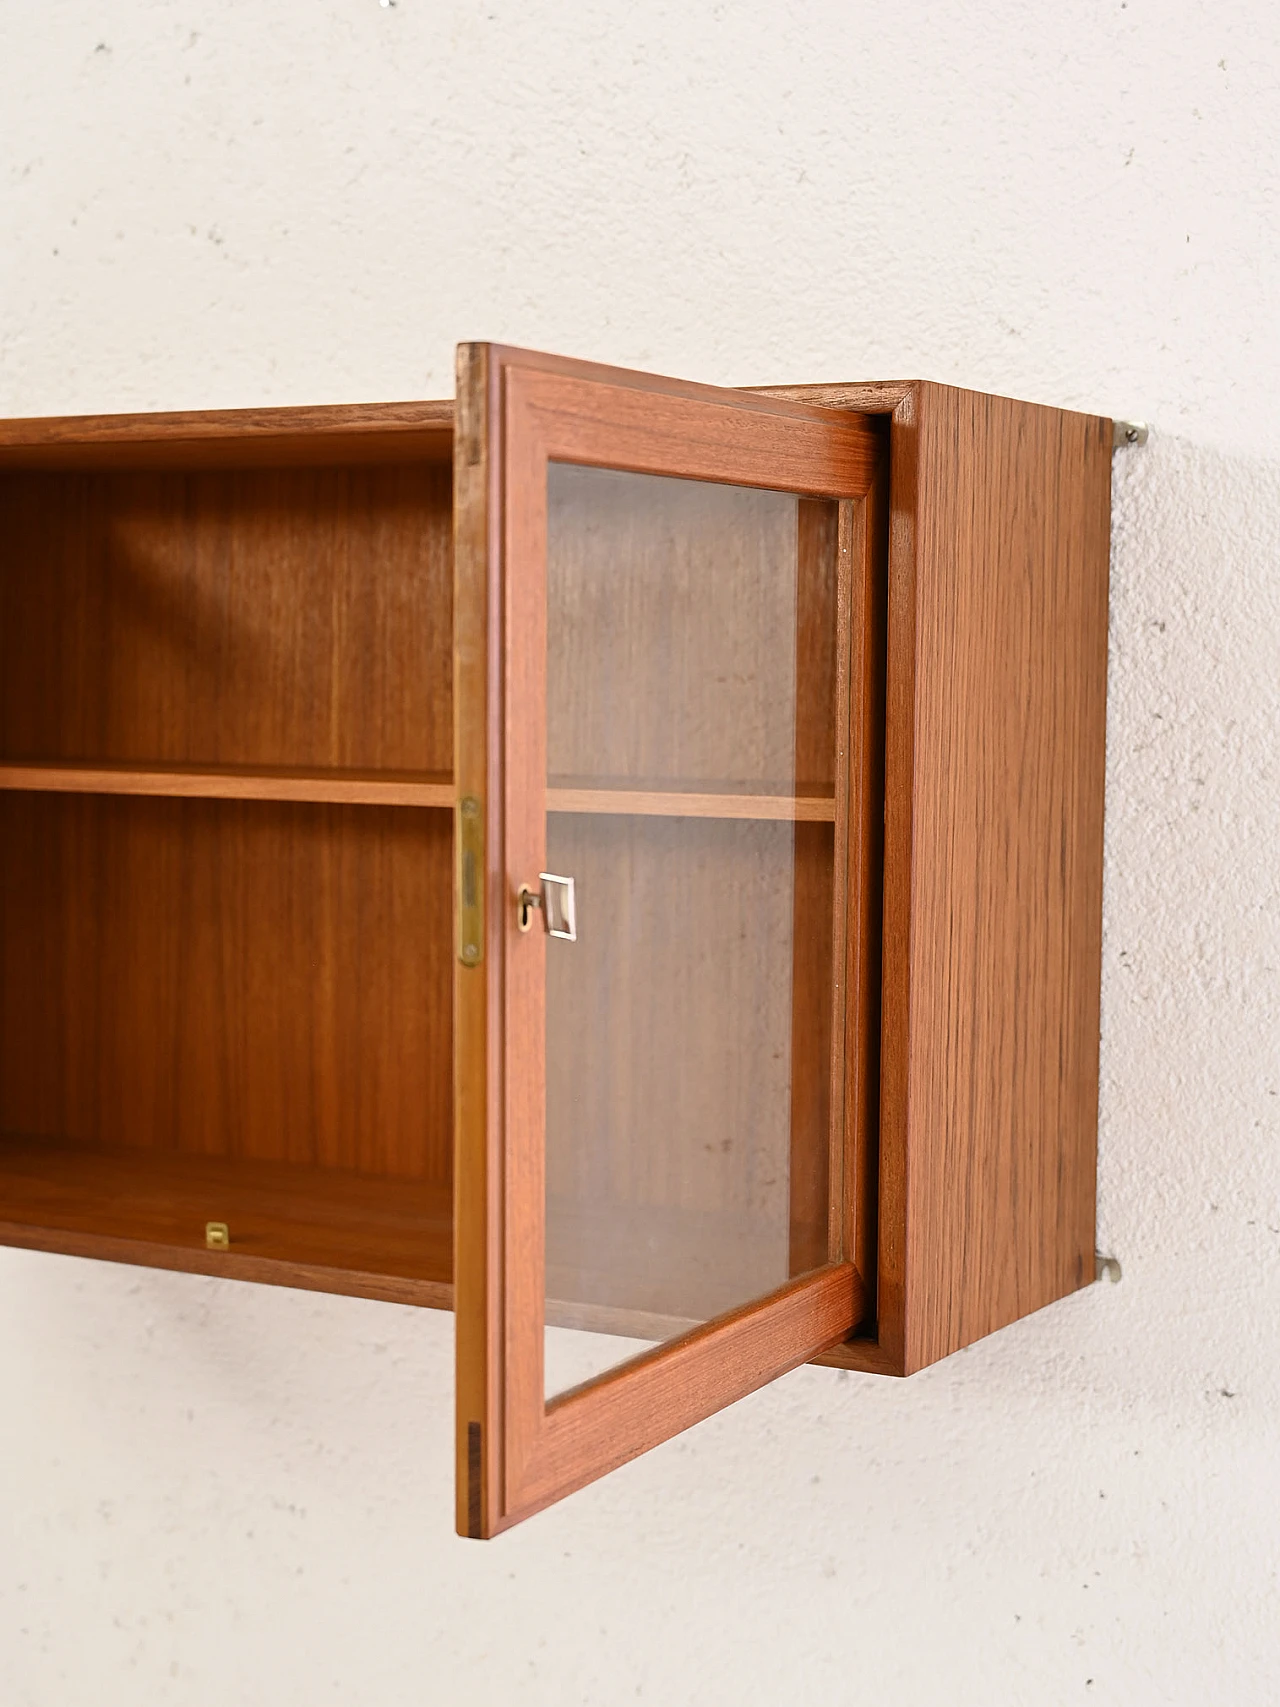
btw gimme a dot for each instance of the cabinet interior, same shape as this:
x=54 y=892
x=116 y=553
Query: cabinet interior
x=225 y=859
x=226 y=941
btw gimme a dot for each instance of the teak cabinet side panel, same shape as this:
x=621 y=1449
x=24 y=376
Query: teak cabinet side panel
x=994 y=749
x=1011 y=559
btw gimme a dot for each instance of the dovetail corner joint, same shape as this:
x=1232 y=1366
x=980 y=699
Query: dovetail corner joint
x=1128 y=433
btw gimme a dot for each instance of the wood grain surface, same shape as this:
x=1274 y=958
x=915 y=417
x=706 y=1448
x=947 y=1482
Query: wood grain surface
x=233 y=438
x=820 y=696
x=856 y=1058
x=233 y=782
x=322 y=1229
x=1004 y=943
x=994 y=757
x=541 y=412
x=686 y=803
x=479 y=1014
x=635 y=1407
x=230 y=979
x=225 y=652
x=280 y=617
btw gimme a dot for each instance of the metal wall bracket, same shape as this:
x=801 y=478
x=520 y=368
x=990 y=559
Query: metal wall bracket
x=1128 y=433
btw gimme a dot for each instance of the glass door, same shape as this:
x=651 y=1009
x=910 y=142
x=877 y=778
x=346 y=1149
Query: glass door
x=655 y=612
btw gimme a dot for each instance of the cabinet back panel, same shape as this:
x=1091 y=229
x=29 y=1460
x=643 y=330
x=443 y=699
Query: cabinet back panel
x=271 y=616
x=238 y=979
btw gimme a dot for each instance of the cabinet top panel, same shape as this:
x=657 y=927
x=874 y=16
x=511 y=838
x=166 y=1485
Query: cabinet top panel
x=228 y=438
x=321 y=434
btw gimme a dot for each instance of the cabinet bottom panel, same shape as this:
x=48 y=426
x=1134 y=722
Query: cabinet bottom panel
x=324 y=1229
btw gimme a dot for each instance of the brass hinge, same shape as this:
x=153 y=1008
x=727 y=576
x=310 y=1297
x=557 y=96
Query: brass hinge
x=470 y=881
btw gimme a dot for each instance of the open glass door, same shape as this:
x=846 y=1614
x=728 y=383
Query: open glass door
x=657 y=588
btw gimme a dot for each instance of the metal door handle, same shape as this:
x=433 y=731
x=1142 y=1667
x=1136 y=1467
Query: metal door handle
x=555 y=900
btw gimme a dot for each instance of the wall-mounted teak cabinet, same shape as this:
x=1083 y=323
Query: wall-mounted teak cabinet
x=623 y=862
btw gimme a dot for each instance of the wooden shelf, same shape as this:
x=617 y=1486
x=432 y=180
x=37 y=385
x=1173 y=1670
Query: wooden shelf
x=331 y=1231
x=395 y=788
x=233 y=782
x=690 y=803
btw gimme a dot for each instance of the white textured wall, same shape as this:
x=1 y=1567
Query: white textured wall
x=222 y=1494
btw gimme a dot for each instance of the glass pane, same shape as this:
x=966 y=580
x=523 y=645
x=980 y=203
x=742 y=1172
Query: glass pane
x=691 y=756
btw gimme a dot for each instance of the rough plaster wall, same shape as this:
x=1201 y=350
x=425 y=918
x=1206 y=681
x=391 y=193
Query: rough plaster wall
x=214 y=1493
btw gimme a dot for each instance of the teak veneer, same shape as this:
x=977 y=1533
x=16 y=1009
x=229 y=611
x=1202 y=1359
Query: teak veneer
x=806 y=689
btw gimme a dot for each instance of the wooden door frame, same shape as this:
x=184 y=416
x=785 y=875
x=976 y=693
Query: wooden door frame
x=517 y=412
